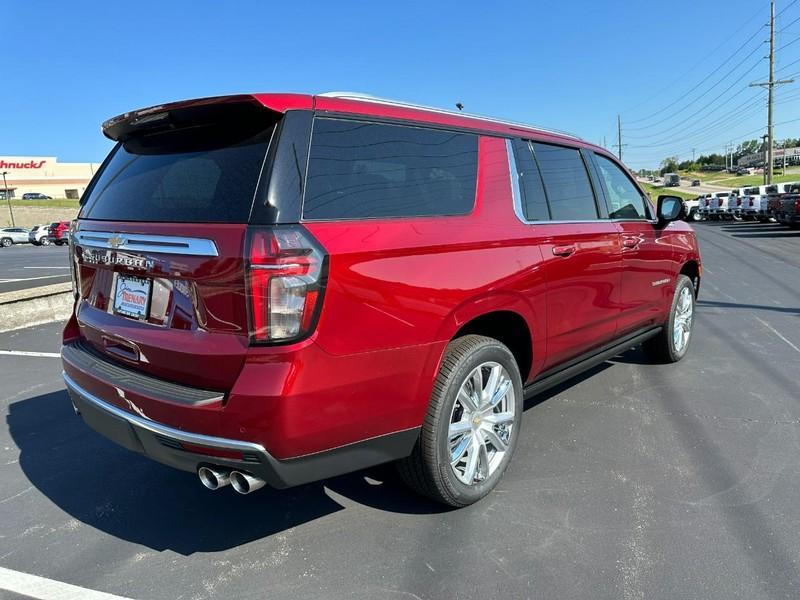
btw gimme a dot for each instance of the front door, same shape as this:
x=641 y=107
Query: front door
x=580 y=247
x=647 y=269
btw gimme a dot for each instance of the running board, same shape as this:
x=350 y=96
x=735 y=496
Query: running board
x=581 y=364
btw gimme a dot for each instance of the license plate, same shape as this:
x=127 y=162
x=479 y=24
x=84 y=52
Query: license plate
x=132 y=296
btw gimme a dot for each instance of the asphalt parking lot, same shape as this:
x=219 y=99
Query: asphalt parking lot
x=26 y=266
x=633 y=481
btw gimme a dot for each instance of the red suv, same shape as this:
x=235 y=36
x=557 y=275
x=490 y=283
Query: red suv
x=275 y=289
x=58 y=233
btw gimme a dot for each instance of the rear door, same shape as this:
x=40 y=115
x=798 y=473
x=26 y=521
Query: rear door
x=647 y=269
x=580 y=247
x=159 y=246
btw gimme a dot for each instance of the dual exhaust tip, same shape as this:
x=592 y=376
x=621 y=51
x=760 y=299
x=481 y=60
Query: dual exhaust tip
x=244 y=483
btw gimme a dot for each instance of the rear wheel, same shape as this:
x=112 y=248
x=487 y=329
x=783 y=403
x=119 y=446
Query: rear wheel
x=6 y=242
x=44 y=241
x=472 y=424
x=672 y=343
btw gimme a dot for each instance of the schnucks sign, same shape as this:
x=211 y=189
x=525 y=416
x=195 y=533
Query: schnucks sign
x=31 y=164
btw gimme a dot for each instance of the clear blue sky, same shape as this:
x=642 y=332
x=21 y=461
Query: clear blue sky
x=571 y=65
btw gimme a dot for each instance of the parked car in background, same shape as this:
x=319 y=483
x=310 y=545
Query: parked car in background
x=691 y=209
x=38 y=235
x=775 y=194
x=718 y=207
x=35 y=196
x=735 y=199
x=395 y=295
x=789 y=210
x=58 y=233
x=750 y=203
x=703 y=205
x=695 y=182
x=13 y=235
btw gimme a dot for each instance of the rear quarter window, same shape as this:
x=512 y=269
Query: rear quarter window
x=374 y=170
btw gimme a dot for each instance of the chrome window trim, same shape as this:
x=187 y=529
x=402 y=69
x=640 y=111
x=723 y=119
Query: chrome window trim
x=443 y=111
x=517 y=196
x=135 y=242
x=163 y=430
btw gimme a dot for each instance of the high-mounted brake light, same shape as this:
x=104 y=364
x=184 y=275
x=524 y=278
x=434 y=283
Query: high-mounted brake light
x=286 y=275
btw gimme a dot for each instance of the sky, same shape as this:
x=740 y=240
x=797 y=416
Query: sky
x=678 y=78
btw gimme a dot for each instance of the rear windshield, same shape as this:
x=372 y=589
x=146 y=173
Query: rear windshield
x=751 y=190
x=205 y=173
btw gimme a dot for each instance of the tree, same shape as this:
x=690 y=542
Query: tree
x=669 y=165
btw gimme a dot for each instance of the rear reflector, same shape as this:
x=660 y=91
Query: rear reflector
x=286 y=280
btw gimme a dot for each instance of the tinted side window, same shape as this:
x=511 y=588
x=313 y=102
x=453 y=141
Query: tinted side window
x=624 y=199
x=364 y=170
x=534 y=200
x=566 y=181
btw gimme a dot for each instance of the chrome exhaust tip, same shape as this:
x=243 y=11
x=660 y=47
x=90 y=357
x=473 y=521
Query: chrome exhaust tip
x=244 y=483
x=213 y=478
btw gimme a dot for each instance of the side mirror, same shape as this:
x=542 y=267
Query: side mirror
x=670 y=208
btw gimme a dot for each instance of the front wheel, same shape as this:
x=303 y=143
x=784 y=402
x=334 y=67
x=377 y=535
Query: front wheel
x=695 y=216
x=472 y=424
x=672 y=343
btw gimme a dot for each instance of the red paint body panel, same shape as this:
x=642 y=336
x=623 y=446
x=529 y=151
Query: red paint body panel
x=398 y=290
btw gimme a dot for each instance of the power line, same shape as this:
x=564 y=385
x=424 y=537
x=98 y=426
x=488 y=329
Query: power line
x=708 y=89
x=692 y=68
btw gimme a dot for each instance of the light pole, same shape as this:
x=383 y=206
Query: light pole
x=8 y=198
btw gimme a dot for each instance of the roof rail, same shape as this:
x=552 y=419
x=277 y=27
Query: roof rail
x=388 y=101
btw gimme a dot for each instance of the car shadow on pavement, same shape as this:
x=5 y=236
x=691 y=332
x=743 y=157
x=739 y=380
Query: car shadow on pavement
x=133 y=498
x=778 y=233
x=716 y=304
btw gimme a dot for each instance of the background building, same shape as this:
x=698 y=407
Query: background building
x=44 y=174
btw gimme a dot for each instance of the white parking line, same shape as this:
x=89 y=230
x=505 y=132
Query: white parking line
x=41 y=588
x=29 y=278
x=26 y=353
x=776 y=332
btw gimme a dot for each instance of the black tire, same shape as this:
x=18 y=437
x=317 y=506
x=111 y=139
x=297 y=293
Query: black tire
x=428 y=470
x=44 y=242
x=695 y=216
x=6 y=242
x=662 y=347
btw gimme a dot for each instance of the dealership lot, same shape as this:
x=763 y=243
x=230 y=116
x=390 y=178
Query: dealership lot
x=634 y=481
x=26 y=266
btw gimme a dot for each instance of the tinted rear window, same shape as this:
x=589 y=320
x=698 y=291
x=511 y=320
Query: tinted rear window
x=566 y=180
x=370 y=170
x=206 y=173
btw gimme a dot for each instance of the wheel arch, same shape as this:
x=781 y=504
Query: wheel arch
x=691 y=268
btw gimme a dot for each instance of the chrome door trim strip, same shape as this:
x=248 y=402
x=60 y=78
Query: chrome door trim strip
x=136 y=242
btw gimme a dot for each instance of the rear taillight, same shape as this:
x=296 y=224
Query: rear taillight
x=751 y=201
x=797 y=206
x=286 y=276
x=738 y=201
x=73 y=265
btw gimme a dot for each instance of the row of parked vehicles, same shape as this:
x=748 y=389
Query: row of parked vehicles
x=777 y=202
x=39 y=235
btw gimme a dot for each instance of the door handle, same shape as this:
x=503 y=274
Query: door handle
x=563 y=250
x=630 y=242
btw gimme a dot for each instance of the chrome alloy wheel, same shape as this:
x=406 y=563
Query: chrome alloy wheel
x=682 y=325
x=481 y=422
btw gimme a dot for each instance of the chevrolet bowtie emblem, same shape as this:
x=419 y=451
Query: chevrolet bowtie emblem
x=115 y=241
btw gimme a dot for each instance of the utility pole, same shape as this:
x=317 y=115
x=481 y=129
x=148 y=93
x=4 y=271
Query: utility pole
x=619 y=138
x=770 y=85
x=693 y=149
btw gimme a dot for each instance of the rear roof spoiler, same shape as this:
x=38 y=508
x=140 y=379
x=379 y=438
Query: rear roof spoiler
x=175 y=114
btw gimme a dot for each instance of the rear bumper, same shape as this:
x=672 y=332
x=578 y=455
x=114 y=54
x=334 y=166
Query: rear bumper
x=189 y=451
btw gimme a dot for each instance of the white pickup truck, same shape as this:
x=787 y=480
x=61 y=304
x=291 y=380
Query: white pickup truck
x=718 y=207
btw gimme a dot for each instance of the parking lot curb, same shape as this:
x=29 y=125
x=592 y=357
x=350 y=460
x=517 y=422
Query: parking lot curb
x=34 y=306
